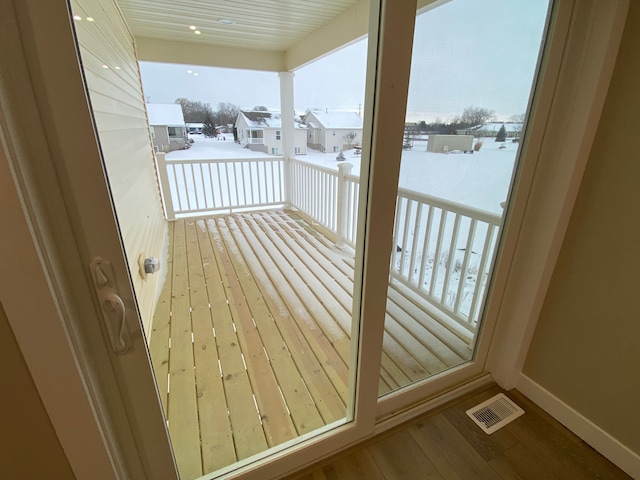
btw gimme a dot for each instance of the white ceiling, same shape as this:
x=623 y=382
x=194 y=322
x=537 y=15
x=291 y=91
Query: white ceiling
x=275 y=25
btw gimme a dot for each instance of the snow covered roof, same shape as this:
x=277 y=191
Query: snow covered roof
x=268 y=119
x=165 y=114
x=337 y=119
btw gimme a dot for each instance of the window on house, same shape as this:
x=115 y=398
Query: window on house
x=277 y=134
x=175 y=131
x=257 y=136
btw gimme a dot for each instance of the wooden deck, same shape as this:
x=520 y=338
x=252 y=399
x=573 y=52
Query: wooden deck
x=250 y=341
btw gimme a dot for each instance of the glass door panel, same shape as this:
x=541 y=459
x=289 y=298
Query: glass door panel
x=249 y=320
x=472 y=72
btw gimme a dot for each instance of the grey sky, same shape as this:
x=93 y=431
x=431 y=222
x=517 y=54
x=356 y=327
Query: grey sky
x=466 y=52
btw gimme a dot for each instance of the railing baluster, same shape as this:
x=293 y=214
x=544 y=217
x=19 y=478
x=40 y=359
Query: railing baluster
x=465 y=264
x=436 y=259
x=226 y=171
x=414 y=244
x=451 y=259
x=480 y=278
x=204 y=191
x=396 y=228
x=354 y=220
x=405 y=235
x=425 y=249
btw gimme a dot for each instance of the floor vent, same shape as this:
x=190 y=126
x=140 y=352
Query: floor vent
x=494 y=413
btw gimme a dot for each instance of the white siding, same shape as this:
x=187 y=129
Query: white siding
x=115 y=89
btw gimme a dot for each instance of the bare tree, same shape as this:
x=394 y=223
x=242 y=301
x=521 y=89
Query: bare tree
x=226 y=113
x=473 y=116
x=194 y=111
x=349 y=138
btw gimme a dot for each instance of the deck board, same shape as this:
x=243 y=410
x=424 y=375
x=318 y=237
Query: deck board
x=182 y=404
x=216 y=444
x=251 y=337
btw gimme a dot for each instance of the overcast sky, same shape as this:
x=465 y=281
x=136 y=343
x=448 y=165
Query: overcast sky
x=466 y=52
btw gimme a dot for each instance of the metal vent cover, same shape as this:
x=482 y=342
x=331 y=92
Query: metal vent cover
x=495 y=413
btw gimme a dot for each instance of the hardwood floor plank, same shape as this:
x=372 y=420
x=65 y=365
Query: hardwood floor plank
x=449 y=451
x=543 y=434
x=443 y=444
x=399 y=457
x=184 y=427
x=358 y=466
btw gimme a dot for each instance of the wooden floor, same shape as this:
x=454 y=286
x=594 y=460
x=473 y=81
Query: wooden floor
x=250 y=342
x=446 y=445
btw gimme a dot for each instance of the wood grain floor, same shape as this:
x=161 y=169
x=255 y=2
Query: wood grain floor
x=250 y=341
x=446 y=445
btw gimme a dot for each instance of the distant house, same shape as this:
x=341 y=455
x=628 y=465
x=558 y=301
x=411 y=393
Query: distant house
x=168 y=130
x=491 y=129
x=262 y=132
x=195 y=127
x=333 y=131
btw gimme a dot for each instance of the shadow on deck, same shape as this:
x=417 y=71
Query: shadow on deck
x=250 y=342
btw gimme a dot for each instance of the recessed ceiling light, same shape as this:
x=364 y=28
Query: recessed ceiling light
x=77 y=17
x=192 y=27
x=90 y=19
x=197 y=32
x=226 y=21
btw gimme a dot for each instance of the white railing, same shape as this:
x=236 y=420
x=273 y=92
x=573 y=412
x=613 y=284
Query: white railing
x=208 y=186
x=443 y=250
x=327 y=197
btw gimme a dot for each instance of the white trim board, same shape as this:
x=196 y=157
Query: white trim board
x=603 y=442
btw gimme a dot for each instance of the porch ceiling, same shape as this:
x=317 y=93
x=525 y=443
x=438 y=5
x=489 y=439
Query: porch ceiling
x=270 y=35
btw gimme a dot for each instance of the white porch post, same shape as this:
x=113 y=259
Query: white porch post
x=344 y=169
x=288 y=128
x=165 y=188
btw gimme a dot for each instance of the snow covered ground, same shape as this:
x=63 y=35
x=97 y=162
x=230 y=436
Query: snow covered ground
x=480 y=180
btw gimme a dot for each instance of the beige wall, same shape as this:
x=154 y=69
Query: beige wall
x=586 y=347
x=118 y=105
x=29 y=447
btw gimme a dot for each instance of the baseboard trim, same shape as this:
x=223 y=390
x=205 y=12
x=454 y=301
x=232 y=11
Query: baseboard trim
x=584 y=428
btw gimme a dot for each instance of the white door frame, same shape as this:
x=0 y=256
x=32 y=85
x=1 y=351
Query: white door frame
x=45 y=130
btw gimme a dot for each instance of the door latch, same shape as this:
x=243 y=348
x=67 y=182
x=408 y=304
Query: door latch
x=111 y=305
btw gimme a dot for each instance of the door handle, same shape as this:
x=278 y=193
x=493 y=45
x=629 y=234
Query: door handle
x=112 y=307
